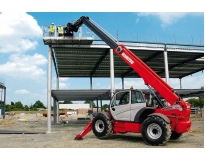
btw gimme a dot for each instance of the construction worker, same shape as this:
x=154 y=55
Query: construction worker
x=51 y=30
x=60 y=31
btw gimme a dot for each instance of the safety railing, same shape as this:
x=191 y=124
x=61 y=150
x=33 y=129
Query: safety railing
x=82 y=32
x=138 y=39
x=195 y=110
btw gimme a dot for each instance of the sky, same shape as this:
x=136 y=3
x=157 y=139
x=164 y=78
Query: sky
x=23 y=56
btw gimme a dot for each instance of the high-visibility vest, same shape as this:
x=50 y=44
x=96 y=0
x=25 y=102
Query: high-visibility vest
x=60 y=30
x=52 y=28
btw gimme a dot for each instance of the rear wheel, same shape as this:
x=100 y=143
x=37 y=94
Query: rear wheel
x=155 y=131
x=175 y=135
x=101 y=126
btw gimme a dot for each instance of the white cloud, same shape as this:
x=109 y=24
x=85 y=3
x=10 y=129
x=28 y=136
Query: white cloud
x=62 y=85
x=190 y=82
x=62 y=79
x=22 y=91
x=196 y=81
x=168 y=18
x=136 y=83
x=25 y=66
x=18 y=32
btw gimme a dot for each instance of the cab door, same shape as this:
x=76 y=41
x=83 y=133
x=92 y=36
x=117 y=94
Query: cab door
x=137 y=102
x=120 y=106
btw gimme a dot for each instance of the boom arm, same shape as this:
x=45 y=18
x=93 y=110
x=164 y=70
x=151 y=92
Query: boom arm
x=146 y=73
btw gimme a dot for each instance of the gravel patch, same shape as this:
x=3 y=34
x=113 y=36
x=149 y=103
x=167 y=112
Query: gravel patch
x=63 y=134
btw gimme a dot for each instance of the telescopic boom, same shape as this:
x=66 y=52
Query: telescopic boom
x=146 y=73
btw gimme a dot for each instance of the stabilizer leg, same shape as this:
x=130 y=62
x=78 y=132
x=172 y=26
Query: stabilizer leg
x=87 y=129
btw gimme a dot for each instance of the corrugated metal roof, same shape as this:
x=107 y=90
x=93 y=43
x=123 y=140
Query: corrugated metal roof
x=75 y=57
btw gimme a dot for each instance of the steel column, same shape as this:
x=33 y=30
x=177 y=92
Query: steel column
x=112 y=78
x=166 y=65
x=57 y=103
x=97 y=104
x=91 y=83
x=49 y=86
x=4 y=102
x=91 y=86
x=180 y=81
x=122 y=83
x=54 y=112
x=91 y=106
x=101 y=103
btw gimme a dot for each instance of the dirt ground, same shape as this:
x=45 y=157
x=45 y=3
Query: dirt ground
x=62 y=134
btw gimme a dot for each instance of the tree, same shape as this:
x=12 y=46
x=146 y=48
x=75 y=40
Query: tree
x=92 y=103
x=105 y=106
x=196 y=101
x=68 y=102
x=26 y=108
x=19 y=106
x=1 y=104
x=37 y=104
x=11 y=108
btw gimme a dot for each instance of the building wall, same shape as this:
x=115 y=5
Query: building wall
x=74 y=106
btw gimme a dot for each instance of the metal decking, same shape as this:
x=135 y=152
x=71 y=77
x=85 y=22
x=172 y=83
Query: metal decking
x=85 y=57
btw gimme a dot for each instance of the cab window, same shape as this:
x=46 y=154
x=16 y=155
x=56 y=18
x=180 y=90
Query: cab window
x=137 y=97
x=122 y=98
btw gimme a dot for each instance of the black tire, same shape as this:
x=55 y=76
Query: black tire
x=155 y=131
x=175 y=135
x=101 y=126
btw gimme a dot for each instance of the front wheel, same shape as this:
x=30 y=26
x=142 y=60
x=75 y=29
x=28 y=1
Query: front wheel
x=102 y=127
x=155 y=131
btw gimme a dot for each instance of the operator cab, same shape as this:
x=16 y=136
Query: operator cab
x=125 y=104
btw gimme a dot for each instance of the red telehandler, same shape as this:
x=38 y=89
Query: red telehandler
x=128 y=110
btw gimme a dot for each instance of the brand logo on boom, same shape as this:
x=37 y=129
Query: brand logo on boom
x=127 y=58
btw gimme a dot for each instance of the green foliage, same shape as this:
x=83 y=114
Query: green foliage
x=92 y=103
x=26 y=108
x=68 y=102
x=1 y=102
x=11 y=108
x=105 y=106
x=196 y=101
x=37 y=104
x=19 y=105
